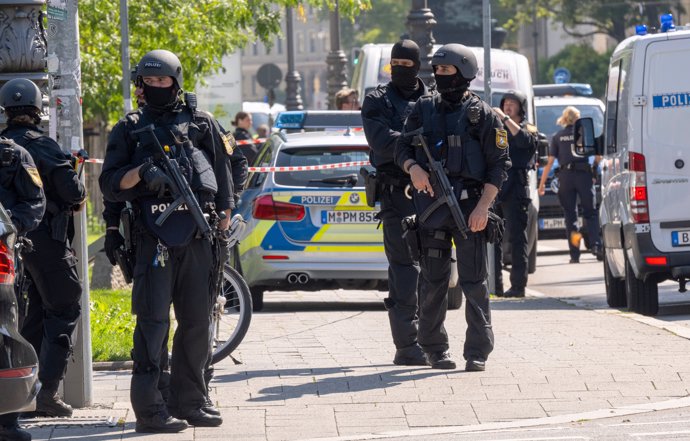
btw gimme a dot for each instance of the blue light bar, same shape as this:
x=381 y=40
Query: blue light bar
x=641 y=30
x=291 y=119
x=666 y=21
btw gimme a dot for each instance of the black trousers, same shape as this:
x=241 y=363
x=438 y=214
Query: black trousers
x=403 y=272
x=575 y=183
x=54 y=309
x=185 y=281
x=513 y=207
x=472 y=276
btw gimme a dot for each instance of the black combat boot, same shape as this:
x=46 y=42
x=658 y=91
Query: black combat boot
x=160 y=422
x=410 y=356
x=12 y=432
x=440 y=360
x=48 y=403
x=209 y=408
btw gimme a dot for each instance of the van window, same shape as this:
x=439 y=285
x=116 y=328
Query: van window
x=547 y=116
x=623 y=97
x=612 y=88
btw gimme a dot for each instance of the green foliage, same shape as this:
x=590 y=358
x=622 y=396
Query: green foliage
x=200 y=32
x=383 y=23
x=112 y=325
x=583 y=62
x=612 y=18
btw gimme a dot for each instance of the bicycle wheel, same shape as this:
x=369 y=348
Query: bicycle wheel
x=231 y=315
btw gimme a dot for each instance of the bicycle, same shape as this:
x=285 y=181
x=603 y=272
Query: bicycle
x=232 y=311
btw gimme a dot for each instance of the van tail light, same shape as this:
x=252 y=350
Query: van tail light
x=265 y=208
x=6 y=265
x=638 y=188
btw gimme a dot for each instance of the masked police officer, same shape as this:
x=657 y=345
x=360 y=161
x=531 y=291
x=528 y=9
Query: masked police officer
x=383 y=114
x=464 y=133
x=55 y=289
x=21 y=194
x=173 y=261
x=513 y=200
x=576 y=179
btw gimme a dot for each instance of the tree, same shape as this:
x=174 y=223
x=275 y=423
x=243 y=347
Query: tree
x=612 y=17
x=384 y=22
x=200 y=32
x=583 y=62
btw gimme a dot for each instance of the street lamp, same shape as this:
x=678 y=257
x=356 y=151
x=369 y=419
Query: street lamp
x=293 y=100
x=420 y=22
x=336 y=60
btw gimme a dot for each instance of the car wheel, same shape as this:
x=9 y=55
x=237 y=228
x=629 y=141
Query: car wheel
x=257 y=299
x=532 y=259
x=642 y=296
x=454 y=297
x=616 y=296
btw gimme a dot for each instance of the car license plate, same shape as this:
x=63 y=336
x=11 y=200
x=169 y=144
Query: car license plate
x=680 y=238
x=348 y=217
x=552 y=223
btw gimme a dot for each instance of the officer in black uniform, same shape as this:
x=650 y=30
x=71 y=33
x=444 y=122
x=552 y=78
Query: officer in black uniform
x=21 y=193
x=576 y=178
x=55 y=290
x=383 y=114
x=463 y=132
x=513 y=200
x=173 y=262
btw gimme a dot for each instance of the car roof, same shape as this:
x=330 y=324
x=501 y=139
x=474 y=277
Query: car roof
x=567 y=101
x=335 y=138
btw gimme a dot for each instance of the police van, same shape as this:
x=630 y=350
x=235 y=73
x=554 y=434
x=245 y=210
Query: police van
x=644 y=212
x=509 y=71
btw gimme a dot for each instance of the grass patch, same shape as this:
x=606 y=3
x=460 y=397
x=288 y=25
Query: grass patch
x=112 y=324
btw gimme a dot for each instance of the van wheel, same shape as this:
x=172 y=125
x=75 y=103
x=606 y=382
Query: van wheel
x=615 y=288
x=257 y=299
x=532 y=260
x=642 y=296
x=454 y=297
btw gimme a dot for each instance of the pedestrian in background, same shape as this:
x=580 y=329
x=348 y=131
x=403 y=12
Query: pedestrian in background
x=513 y=200
x=576 y=178
x=242 y=123
x=347 y=99
x=466 y=134
x=383 y=115
x=54 y=291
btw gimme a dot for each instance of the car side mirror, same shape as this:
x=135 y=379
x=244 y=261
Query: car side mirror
x=542 y=148
x=584 y=143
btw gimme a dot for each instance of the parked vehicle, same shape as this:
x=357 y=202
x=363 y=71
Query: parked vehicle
x=310 y=229
x=644 y=215
x=18 y=365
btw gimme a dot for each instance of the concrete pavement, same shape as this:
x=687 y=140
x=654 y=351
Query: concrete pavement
x=318 y=366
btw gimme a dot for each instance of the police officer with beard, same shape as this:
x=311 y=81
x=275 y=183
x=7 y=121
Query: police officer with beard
x=173 y=261
x=513 y=200
x=21 y=194
x=383 y=114
x=54 y=290
x=466 y=135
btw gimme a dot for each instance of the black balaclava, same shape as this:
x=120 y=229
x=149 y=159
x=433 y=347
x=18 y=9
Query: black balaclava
x=402 y=77
x=160 y=97
x=451 y=87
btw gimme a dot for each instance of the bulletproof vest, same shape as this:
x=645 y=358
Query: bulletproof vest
x=453 y=139
x=400 y=106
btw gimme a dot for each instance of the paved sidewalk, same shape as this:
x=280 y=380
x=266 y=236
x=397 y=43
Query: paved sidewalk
x=318 y=365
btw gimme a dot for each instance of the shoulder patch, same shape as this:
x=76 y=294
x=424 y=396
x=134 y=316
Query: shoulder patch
x=229 y=143
x=502 y=139
x=33 y=174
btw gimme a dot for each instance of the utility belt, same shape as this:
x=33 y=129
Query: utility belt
x=376 y=181
x=578 y=166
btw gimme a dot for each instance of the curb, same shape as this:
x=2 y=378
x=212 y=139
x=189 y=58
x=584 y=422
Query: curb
x=112 y=365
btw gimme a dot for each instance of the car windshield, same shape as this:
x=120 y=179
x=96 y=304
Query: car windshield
x=322 y=155
x=547 y=116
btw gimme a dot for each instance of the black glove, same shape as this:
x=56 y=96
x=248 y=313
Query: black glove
x=154 y=178
x=494 y=228
x=113 y=241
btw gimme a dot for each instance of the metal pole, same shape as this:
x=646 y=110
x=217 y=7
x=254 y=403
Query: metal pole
x=336 y=60
x=535 y=35
x=486 y=13
x=124 y=50
x=67 y=91
x=293 y=100
x=420 y=22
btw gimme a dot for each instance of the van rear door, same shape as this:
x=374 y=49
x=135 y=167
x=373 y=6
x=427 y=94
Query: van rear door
x=666 y=141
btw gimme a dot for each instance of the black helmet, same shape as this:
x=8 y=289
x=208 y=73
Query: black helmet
x=21 y=92
x=518 y=96
x=459 y=56
x=160 y=63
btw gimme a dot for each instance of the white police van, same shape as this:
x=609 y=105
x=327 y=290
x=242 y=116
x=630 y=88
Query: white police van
x=645 y=210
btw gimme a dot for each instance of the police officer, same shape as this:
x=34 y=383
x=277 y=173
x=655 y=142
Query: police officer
x=55 y=290
x=383 y=114
x=513 y=200
x=173 y=261
x=576 y=178
x=464 y=133
x=21 y=193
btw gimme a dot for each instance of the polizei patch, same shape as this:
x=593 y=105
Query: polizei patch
x=154 y=64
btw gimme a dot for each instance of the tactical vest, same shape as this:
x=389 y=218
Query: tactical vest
x=401 y=107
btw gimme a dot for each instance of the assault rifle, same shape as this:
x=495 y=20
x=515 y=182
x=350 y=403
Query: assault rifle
x=442 y=188
x=180 y=188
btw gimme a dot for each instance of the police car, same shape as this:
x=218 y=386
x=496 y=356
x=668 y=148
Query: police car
x=309 y=226
x=549 y=102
